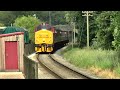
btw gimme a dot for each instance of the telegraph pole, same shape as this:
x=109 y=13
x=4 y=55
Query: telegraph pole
x=87 y=14
x=72 y=35
x=11 y=24
x=34 y=15
x=74 y=32
x=74 y=19
x=72 y=39
x=49 y=17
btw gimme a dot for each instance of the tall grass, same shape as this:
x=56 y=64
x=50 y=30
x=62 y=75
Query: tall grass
x=86 y=58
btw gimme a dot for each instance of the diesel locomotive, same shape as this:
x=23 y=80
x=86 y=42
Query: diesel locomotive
x=46 y=37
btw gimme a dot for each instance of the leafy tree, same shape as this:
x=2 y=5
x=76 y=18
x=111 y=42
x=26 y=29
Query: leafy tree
x=104 y=28
x=76 y=17
x=6 y=17
x=57 y=17
x=29 y=23
x=116 y=28
x=104 y=36
x=2 y=25
x=70 y=18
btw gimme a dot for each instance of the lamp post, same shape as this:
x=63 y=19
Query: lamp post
x=87 y=14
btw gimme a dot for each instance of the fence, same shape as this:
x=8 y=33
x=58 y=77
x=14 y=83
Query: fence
x=30 y=66
x=29 y=48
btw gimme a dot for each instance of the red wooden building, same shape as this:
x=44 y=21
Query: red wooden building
x=11 y=51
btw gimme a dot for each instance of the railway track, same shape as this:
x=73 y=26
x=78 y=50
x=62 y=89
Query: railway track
x=58 y=69
x=46 y=72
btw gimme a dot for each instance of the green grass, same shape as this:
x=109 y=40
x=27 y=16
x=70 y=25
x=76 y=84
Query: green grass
x=117 y=70
x=84 y=58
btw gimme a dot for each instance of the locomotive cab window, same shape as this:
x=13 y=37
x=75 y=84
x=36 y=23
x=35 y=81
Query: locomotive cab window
x=43 y=26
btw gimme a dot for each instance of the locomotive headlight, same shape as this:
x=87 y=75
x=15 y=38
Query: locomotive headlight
x=43 y=40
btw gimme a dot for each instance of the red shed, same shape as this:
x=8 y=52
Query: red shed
x=11 y=51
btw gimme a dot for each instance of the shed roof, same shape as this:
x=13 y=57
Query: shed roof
x=17 y=29
x=11 y=34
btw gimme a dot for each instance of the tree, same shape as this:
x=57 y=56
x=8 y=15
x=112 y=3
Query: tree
x=2 y=25
x=104 y=32
x=7 y=17
x=29 y=23
x=116 y=28
x=57 y=17
x=76 y=16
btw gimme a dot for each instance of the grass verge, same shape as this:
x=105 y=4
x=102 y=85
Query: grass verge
x=104 y=63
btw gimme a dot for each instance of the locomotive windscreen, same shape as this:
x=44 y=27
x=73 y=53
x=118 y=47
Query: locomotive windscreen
x=43 y=26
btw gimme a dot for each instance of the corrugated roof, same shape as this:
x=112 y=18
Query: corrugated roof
x=64 y=27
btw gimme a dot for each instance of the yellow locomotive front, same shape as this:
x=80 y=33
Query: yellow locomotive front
x=43 y=40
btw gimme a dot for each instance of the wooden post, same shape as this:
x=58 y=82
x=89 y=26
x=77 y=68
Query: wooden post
x=49 y=18
x=87 y=30
x=74 y=32
x=72 y=39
